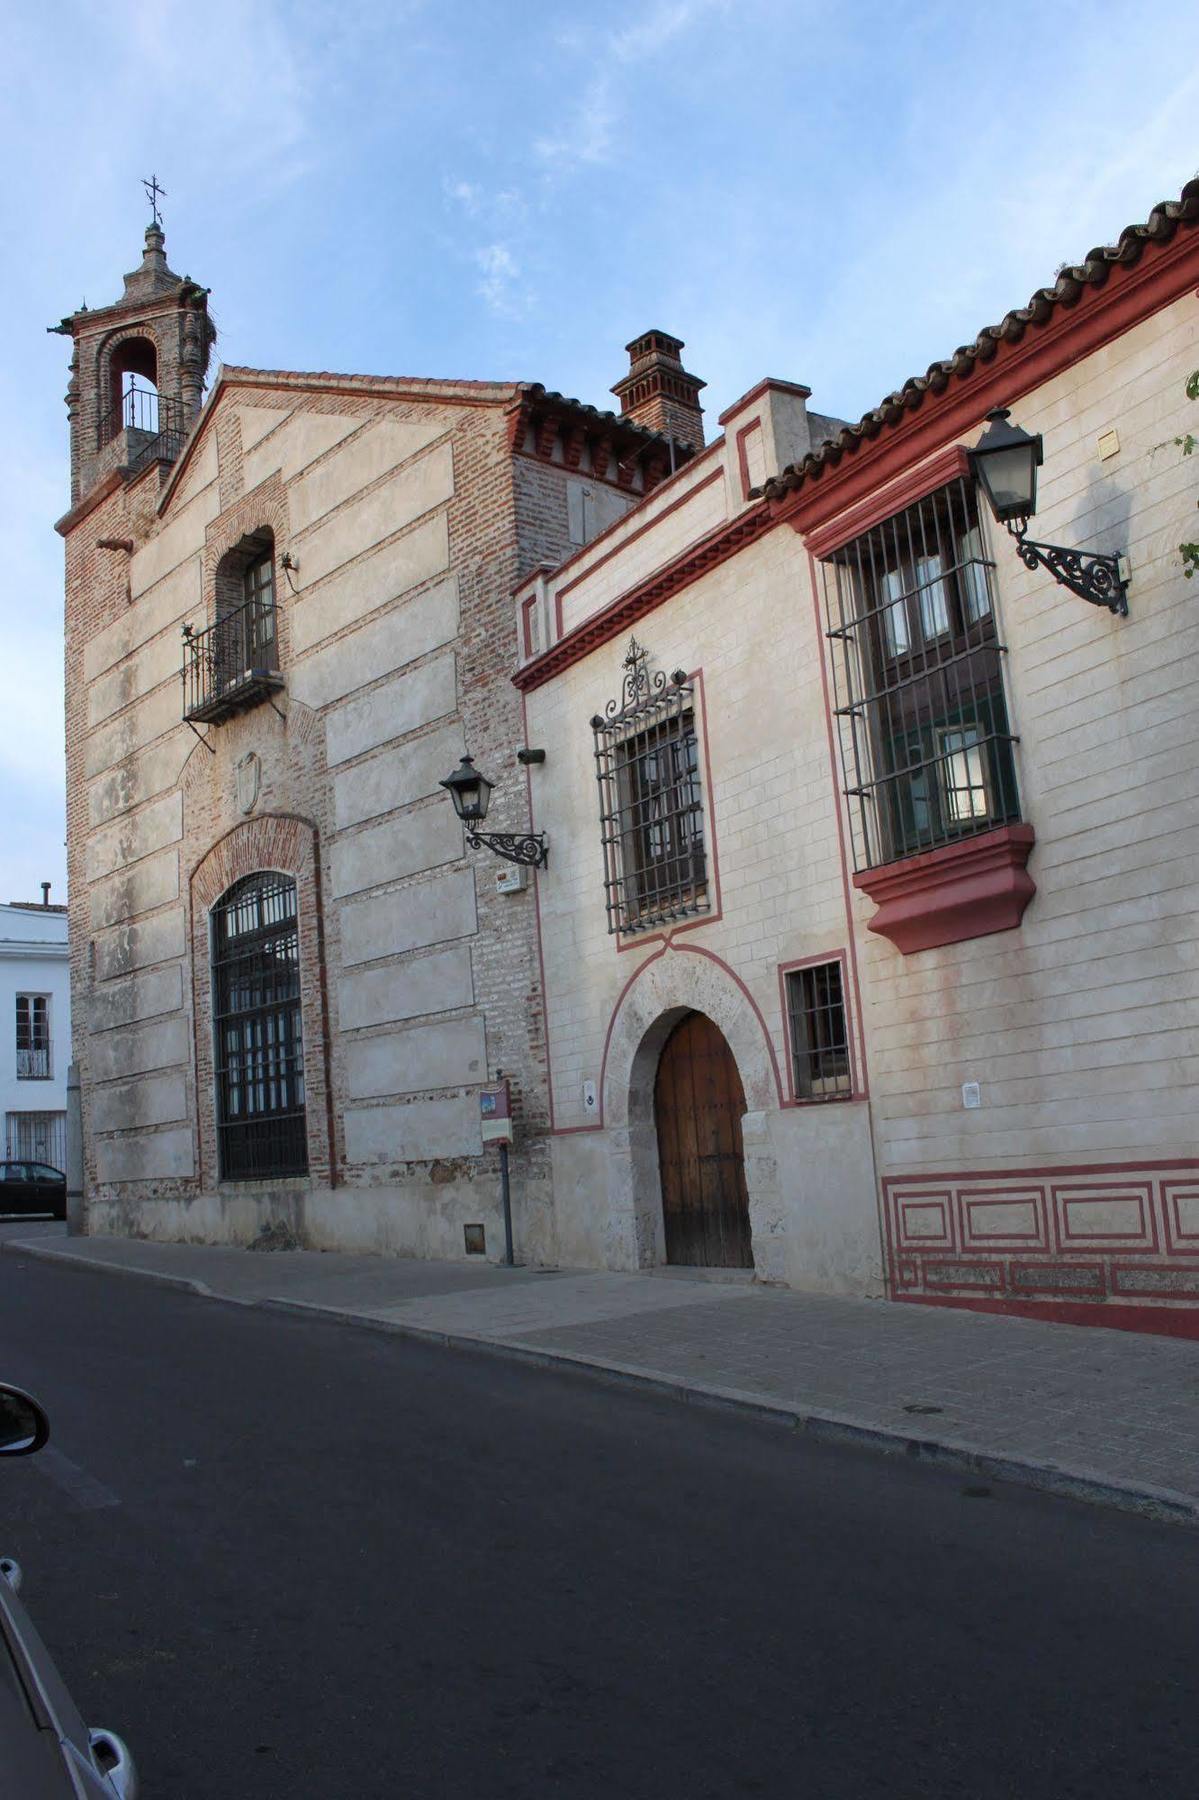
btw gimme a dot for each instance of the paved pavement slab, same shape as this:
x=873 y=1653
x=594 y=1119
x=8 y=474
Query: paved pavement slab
x=1107 y=1415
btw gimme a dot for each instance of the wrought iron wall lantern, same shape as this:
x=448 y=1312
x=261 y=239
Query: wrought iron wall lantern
x=471 y=793
x=1004 y=462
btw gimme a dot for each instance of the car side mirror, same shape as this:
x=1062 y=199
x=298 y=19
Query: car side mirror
x=24 y=1427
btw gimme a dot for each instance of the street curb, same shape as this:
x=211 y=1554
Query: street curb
x=814 y=1423
x=15 y=1246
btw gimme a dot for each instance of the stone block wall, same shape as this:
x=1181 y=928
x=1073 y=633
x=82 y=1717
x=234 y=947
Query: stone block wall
x=419 y=980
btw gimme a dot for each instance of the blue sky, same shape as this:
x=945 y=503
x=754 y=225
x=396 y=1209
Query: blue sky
x=837 y=194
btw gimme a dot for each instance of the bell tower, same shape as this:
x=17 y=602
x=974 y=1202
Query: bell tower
x=137 y=372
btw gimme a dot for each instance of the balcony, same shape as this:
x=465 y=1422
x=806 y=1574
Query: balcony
x=152 y=426
x=33 y=1062
x=231 y=666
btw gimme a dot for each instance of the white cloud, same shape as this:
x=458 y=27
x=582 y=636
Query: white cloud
x=587 y=136
x=468 y=194
x=500 y=275
x=657 y=29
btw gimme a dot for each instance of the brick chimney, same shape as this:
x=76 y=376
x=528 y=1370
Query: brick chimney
x=658 y=392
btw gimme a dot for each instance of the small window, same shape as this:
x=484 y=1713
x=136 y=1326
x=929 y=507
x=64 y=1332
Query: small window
x=651 y=802
x=819 y=1033
x=33 y=1037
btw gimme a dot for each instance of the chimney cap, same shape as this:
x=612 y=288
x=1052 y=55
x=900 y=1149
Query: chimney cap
x=663 y=340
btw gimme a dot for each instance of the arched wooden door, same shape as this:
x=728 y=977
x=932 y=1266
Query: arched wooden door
x=698 y=1105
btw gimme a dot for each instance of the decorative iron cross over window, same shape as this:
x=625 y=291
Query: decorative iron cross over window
x=651 y=803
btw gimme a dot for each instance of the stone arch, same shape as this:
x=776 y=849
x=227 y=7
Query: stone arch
x=683 y=978
x=289 y=845
x=132 y=351
x=678 y=980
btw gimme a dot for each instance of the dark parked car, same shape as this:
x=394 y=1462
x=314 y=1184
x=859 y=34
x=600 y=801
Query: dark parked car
x=46 y=1751
x=32 y=1187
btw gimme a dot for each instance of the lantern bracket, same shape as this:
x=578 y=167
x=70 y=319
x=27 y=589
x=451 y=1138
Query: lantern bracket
x=1092 y=575
x=530 y=848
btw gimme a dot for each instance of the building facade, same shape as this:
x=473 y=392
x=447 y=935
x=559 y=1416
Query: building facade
x=35 y=995
x=865 y=956
x=870 y=952
x=288 y=613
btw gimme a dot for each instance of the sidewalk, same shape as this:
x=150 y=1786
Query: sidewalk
x=1103 y=1415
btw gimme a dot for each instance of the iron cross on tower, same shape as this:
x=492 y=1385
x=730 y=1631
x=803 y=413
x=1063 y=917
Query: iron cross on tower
x=153 y=194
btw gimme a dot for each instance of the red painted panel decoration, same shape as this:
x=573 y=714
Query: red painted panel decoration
x=1094 y=1244
x=1181 y=1205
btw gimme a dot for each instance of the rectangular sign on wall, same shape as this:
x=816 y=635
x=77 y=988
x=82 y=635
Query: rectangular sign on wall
x=495 y=1113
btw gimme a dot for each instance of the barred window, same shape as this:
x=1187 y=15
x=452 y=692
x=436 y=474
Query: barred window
x=33 y=1038
x=651 y=802
x=819 y=1032
x=926 y=748
x=258 y=1030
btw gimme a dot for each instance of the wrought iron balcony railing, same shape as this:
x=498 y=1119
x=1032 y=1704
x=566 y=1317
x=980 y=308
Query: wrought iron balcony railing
x=156 y=425
x=33 y=1062
x=230 y=666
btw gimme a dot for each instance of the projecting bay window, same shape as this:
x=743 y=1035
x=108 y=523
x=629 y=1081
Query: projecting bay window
x=258 y=1030
x=33 y=1038
x=926 y=747
x=651 y=804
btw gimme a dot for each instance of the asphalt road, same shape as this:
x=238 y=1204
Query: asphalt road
x=285 y=1557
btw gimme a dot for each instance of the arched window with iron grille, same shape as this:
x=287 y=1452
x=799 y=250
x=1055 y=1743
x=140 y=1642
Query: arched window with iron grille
x=259 y=1039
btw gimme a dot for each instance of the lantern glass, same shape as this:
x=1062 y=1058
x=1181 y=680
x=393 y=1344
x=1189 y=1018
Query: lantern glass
x=1005 y=462
x=470 y=792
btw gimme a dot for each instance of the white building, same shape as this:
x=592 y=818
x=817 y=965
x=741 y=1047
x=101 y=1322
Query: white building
x=35 y=1044
x=869 y=934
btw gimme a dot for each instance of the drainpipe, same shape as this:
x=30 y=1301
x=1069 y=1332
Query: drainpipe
x=76 y=1222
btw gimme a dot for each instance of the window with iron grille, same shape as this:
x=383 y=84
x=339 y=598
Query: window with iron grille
x=37 y=1137
x=258 y=1030
x=33 y=1038
x=651 y=802
x=926 y=748
x=819 y=1032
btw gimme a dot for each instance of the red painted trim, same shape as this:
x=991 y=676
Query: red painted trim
x=526 y=627
x=767 y=382
x=699 y=950
x=964 y=890
x=1143 y=1242
x=637 y=973
x=545 y=999
x=946 y=466
x=1000 y=376
x=659 y=953
x=1155 y=1320
x=1178 y=1242
x=743 y=454
x=602 y=627
x=811 y=962
x=634 y=940
x=1042 y=1172
x=851 y=935
x=647 y=524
